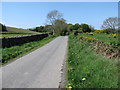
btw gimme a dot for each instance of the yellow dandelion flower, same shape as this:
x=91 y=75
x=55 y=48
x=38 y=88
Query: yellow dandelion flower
x=69 y=88
x=114 y=35
x=83 y=79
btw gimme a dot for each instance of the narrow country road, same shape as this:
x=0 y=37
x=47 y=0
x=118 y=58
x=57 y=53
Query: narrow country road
x=38 y=69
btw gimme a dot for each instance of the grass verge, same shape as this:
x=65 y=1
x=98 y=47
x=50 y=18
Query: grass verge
x=106 y=38
x=15 y=52
x=86 y=69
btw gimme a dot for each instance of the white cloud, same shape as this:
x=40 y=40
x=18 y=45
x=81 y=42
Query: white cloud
x=60 y=0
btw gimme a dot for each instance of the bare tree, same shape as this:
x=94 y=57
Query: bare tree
x=110 y=23
x=52 y=16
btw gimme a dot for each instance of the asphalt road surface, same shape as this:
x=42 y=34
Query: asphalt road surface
x=38 y=69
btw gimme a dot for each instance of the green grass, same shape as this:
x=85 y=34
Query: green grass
x=106 y=38
x=83 y=62
x=14 y=52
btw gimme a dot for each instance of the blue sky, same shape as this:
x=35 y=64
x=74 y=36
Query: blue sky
x=32 y=14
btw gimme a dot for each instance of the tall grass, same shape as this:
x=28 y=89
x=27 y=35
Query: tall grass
x=86 y=69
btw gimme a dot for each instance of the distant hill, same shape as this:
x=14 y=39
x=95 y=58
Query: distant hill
x=19 y=30
x=7 y=29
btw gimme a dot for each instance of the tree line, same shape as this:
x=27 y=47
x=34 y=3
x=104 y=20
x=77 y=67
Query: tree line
x=57 y=25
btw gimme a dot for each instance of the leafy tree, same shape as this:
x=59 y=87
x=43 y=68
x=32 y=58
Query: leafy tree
x=60 y=27
x=41 y=29
x=69 y=28
x=48 y=28
x=76 y=26
x=85 y=28
x=38 y=29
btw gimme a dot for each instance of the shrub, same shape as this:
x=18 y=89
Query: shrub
x=85 y=28
x=76 y=33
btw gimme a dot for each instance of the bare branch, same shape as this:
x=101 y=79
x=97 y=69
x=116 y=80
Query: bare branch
x=110 y=23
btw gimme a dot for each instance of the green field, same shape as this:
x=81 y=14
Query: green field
x=86 y=68
x=19 y=30
x=22 y=32
x=14 y=52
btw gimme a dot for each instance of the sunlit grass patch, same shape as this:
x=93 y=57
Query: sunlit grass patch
x=86 y=69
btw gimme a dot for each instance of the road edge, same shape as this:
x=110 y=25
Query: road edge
x=63 y=81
